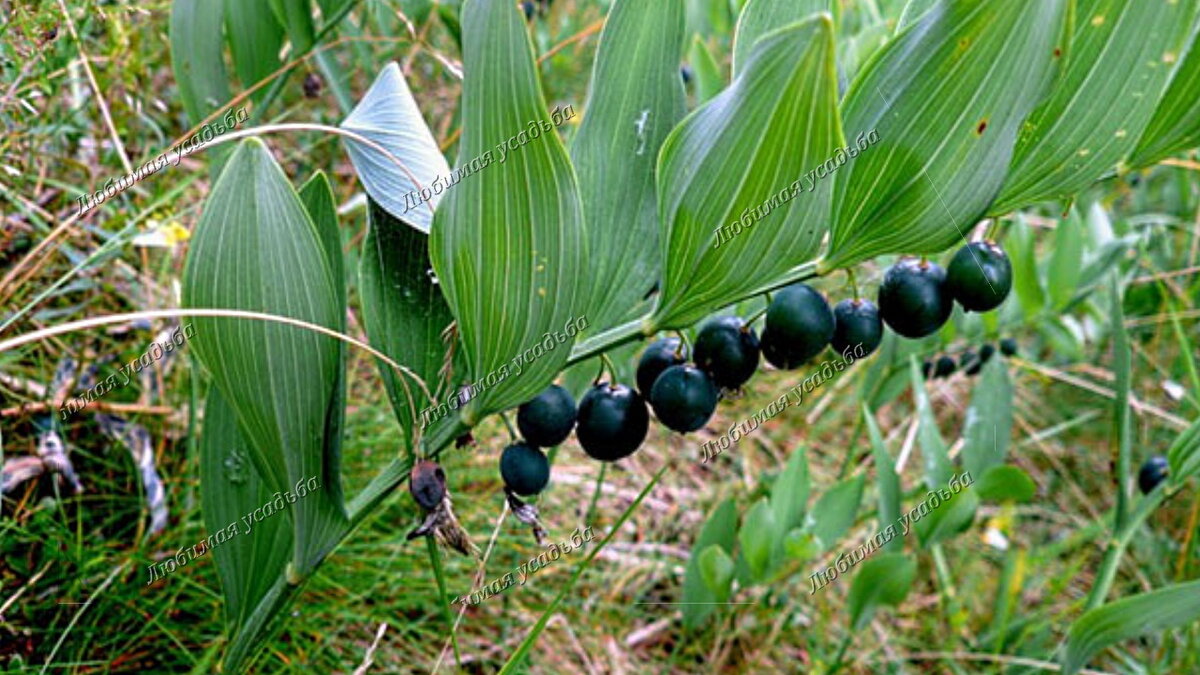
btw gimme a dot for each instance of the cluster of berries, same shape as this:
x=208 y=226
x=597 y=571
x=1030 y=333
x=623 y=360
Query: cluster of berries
x=612 y=419
x=970 y=361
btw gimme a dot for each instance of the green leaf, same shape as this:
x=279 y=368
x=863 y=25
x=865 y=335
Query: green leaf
x=760 y=17
x=913 y=10
x=883 y=580
x=789 y=494
x=1145 y=614
x=1122 y=430
x=296 y=18
x=388 y=115
x=942 y=150
x=989 y=419
x=715 y=167
x=1176 y=123
x=721 y=530
x=708 y=80
x=251 y=562
x=934 y=453
x=255 y=37
x=716 y=569
x=1111 y=84
x=284 y=383
x=886 y=480
x=1005 y=484
x=1184 y=455
x=1066 y=261
x=833 y=514
x=636 y=99
x=1022 y=248
x=800 y=545
x=196 y=56
x=758 y=536
x=950 y=518
x=508 y=241
x=404 y=314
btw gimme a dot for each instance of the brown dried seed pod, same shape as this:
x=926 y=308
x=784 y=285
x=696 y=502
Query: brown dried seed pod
x=427 y=483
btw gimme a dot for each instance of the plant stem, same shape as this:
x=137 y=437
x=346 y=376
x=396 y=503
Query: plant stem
x=613 y=337
x=435 y=560
x=587 y=518
x=1116 y=547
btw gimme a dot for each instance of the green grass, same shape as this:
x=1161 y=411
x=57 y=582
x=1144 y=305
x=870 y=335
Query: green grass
x=73 y=593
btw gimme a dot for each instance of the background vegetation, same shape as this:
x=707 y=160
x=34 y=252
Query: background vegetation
x=83 y=90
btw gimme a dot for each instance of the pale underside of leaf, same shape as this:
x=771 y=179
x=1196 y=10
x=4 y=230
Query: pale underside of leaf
x=760 y=17
x=1176 y=123
x=388 y=114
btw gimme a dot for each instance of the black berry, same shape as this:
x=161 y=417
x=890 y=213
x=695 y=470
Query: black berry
x=1153 y=472
x=612 y=422
x=659 y=356
x=944 y=367
x=727 y=349
x=986 y=353
x=927 y=369
x=684 y=398
x=528 y=7
x=856 y=322
x=427 y=484
x=547 y=419
x=524 y=468
x=913 y=298
x=799 y=325
x=1008 y=347
x=970 y=362
x=979 y=276
x=685 y=72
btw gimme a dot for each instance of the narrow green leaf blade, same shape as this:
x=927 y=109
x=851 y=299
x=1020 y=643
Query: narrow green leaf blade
x=1184 y=455
x=255 y=37
x=1143 y=614
x=758 y=536
x=196 y=55
x=760 y=17
x=1066 y=261
x=886 y=480
x=947 y=97
x=1005 y=484
x=508 y=241
x=883 y=580
x=833 y=514
x=404 y=313
x=389 y=116
x=1176 y=123
x=989 y=419
x=715 y=167
x=636 y=99
x=949 y=518
x=1026 y=279
x=281 y=380
x=721 y=530
x=716 y=568
x=934 y=453
x=789 y=494
x=708 y=80
x=250 y=561
x=1113 y=79
x=1122 y=430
